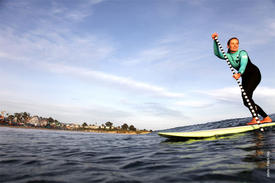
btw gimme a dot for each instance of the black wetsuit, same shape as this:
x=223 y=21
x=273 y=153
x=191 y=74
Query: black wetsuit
x=250 y=80
x=251 y=75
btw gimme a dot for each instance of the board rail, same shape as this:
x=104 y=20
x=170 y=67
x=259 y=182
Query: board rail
x=214 y=132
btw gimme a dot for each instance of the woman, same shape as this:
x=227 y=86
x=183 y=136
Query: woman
x=250 y=74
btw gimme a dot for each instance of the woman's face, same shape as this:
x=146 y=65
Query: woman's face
x=233 y=45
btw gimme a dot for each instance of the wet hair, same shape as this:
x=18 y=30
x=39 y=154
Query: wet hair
x=228 y=42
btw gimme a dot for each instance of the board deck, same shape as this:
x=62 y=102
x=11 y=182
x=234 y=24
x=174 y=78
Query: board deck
x=213 y=132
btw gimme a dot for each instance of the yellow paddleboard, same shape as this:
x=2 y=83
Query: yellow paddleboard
x=213 y=132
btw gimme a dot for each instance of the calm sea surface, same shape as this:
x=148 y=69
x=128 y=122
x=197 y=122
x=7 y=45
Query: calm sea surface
x=28 y=155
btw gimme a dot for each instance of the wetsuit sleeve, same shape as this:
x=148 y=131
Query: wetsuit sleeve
x=217 y=51
x=244 y=61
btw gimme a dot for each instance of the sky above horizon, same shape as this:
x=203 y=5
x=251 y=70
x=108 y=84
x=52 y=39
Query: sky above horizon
x=149 y=63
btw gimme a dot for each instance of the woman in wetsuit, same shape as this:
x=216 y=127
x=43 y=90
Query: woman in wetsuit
x=250 y=74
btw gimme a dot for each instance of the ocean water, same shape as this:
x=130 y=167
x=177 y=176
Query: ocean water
x=28 y=155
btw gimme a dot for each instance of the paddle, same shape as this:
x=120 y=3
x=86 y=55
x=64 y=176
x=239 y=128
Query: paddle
x=255 y=115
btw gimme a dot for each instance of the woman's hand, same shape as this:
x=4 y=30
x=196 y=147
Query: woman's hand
x=214 y=35
x=237 y=76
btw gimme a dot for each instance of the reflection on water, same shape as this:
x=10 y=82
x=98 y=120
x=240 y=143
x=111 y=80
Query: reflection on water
x=262 y=149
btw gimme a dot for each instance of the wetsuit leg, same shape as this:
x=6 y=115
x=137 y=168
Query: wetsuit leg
x=250 y=82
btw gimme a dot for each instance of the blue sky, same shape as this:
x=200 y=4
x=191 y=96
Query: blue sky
x=149 y=63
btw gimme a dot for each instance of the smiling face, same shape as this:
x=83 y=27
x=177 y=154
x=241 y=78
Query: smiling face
x=233 y=45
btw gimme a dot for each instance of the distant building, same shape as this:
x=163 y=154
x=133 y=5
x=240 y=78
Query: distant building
x=43 y=122
x=72 y=126
x=34 y=121
x=93 y=127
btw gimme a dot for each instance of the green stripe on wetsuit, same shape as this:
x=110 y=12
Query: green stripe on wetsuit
x=238 y=59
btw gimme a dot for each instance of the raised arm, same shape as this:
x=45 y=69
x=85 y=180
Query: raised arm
x=216 y=47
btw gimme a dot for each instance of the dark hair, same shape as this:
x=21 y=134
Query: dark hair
x=228 y=42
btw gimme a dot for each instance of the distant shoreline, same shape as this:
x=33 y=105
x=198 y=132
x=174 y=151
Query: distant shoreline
x=126 y=132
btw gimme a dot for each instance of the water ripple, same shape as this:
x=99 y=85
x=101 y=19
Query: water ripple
x=59 y=156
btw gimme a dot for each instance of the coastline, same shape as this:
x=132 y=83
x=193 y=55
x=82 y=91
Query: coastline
x=125 y=132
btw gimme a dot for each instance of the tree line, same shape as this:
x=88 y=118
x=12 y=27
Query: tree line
x=24 y=117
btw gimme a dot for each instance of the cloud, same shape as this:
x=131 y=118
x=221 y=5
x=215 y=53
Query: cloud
x=64 y=112
x=224 y=94
x=49 y=33
x=262 y=18
x=154 y=109
x=265 y=92
x=58 y=45
x=195 y=103
x=150 y=55
x=76 y=11
x=170 y=53
x=5 y=55
x=53 y=11
x=114 y=80
x=264 y=95
x=152 y=115
x=270 y=27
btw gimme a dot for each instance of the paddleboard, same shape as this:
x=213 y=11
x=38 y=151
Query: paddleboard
x=213 y=132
